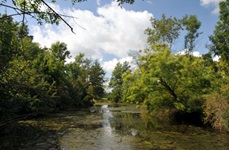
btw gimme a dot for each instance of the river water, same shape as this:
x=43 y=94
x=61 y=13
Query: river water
x=109 y=127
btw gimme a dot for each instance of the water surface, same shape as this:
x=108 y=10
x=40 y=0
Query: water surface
x=109 y=127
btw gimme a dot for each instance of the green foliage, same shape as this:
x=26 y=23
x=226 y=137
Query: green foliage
x=216 y=106
x=116 y=80
x=216 y=112
x=191 y=25
x=23 y=88
x=87 y=80
x=77 y=72
x=165 y=30
x=36 y=80
x=174 y=81
x=167 y=81
x=27 y=89
x=8 y=41
x=220 y=36
x=133 y=91
x=96 y=79
x=59 y=51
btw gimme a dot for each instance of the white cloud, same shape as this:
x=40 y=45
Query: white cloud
x=209 y=2
x=216 y=58
x=195 y=53
x=113 y=30
x=109 y=66
x=213 y=3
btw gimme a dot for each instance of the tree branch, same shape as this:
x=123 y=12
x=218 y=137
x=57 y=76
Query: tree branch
x=25 y=12
x=168 y=88
x=58 y=16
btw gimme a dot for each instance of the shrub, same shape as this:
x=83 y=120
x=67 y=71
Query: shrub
x=216 y=112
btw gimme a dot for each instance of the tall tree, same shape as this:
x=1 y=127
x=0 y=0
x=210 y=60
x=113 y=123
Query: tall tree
x=59 y=51
x=55 y=70
x=167 y=80
x=96 y=78
x=8 y=41
x=191 y=25
x=116 y=80
x=23 y=87
x=78 y=76
x=165 y=30
x=220 y=37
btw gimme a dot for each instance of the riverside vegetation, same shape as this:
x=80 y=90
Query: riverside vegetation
x=191 y=90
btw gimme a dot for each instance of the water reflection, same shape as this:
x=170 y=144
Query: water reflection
x=127 y=123
x=107 y=114
x=107 y=139
x=134 y=132
x=163 y=135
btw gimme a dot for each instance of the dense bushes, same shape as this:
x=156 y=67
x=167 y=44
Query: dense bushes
x=216 y=112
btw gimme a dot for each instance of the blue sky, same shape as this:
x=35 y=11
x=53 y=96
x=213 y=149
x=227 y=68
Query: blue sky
x=179 y=8
x=107 y=32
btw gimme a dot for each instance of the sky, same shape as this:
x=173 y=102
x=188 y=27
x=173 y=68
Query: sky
x=108 y=32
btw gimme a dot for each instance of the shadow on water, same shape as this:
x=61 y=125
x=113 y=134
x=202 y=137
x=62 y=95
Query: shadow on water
x=107 y=127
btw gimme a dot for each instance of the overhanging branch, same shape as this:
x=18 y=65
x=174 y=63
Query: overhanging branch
x=59 y=16
x=27 y=12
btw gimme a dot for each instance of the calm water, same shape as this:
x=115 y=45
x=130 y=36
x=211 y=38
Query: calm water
x=105 y=127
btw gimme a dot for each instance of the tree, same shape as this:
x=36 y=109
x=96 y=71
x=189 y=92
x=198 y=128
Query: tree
x=116 y=80
x=177 y=82
x=78 y=76
x=164 y=80
x=59 y=51
x=55 y=69
x=165 y=30
x=23 y=87
x=133 y=88
x=217 y=104
x=96 y=79
x=8 y=41
x=37 y=80
x=191 y=25
x=220 y=37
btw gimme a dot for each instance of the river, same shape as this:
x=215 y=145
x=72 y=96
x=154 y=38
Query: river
x=108 y=127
